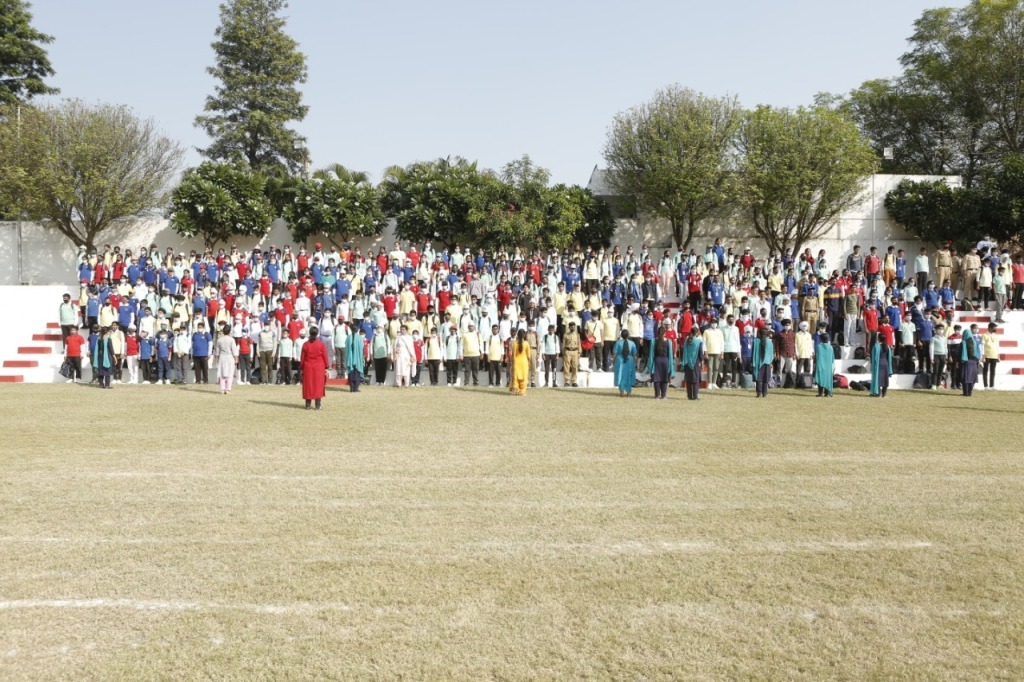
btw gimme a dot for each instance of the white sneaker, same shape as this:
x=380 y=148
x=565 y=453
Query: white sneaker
x=70 y=381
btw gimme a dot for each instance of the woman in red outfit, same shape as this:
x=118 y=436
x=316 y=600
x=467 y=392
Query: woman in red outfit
x=314 y=364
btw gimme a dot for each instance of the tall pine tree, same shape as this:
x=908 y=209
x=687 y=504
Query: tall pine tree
x=23 y=62
x=259 y=67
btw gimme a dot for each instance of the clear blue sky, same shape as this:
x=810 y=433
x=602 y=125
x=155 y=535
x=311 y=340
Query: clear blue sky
x=395 y=82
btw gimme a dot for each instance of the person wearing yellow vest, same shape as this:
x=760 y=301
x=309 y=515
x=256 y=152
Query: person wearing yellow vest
x=495 y=354
x=471 y=355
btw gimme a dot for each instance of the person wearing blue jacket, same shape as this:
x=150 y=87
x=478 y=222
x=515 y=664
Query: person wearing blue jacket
x=146 y=356
x=201 y=341
x=763 y=357
x=163 y=345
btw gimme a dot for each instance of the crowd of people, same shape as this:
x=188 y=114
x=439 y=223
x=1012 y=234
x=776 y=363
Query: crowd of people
x=515 y=319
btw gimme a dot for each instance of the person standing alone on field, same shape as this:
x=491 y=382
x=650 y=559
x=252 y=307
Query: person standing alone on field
x=226 y=351
x=313 y=364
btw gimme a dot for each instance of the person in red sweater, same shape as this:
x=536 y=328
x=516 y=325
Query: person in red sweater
x=73 y=353
x=390 y=303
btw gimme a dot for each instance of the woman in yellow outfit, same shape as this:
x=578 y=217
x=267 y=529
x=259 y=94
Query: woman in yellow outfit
x=521 y=353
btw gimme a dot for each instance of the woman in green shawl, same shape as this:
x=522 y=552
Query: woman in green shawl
x=625 y=364
x=881 y=366
x=693 y=359
x=824 y=364
x=969 y=360
x=354 y=356
x=761 y=360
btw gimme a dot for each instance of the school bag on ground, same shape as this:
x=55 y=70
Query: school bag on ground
x=840 y=381
x=804 y=380
x=922 y=380
x=746 y=380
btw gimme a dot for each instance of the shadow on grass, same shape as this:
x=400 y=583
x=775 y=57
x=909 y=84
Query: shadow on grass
x=280 y=403
x=965 y=407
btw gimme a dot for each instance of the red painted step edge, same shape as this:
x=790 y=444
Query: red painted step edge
x=1017 y=370
x=21 y=363
x=1011 y=356
x=12 y=379
x=33 y=350
x=52 y=325
x=46 y=337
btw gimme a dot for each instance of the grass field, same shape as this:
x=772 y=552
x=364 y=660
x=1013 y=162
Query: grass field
x=175 y=533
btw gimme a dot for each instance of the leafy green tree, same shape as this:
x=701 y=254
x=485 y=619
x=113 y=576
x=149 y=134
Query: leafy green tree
x=930 y=210
x=281 y=189
x=576 y=216
x=79 y=167
x=926 y=137
x=24 y=64
x=216 y=201
x=337 y=203
x=511 y=207
x=258 y=69
x=434 y=200
x=937 y=213
x=672 y=157
x=799 y=170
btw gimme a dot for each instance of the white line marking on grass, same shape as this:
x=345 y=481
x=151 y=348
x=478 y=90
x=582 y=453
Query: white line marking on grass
x=158 y=605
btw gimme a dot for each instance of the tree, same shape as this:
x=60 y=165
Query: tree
x=927 y=138
x=81 y=167
x=576 y=216
x=24 y=63
x=433 y=200
x=672 y=157
x=799 y=170
x=511 y=207
x=930 y=210
x=937 y=213
x=339 y=204
x=258 y=68
x=217 y=201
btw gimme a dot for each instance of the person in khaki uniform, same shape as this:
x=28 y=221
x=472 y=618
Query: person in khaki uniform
x=809 y=307
x=533 y=339
x=943 y=266
x=970 y=267
x=571 y=355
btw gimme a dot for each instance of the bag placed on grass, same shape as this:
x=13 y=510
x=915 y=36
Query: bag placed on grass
x=923 y=380
x=746 y=380
x=805 y=380
x=840 y=381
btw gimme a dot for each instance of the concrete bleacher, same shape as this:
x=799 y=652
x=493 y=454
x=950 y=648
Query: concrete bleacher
x=30 y=342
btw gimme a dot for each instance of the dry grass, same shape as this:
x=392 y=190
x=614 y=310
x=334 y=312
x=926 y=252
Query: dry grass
x=166 y=533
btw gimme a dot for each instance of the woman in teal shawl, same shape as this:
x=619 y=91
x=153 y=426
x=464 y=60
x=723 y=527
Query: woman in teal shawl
x=103 y=361
x=693 y=359
x=625 y=364
x=969 y=360
x=881 y=366
x=762 y=359
x=354 y=356
x=824 y=363
x=661 y=363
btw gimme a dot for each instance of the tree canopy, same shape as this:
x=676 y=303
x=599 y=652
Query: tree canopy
x=258 y=68
x=216 y=201
x=673 y=157
x=24 y=64
x=337 y=203
x=80 y=167
x=799 y=169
